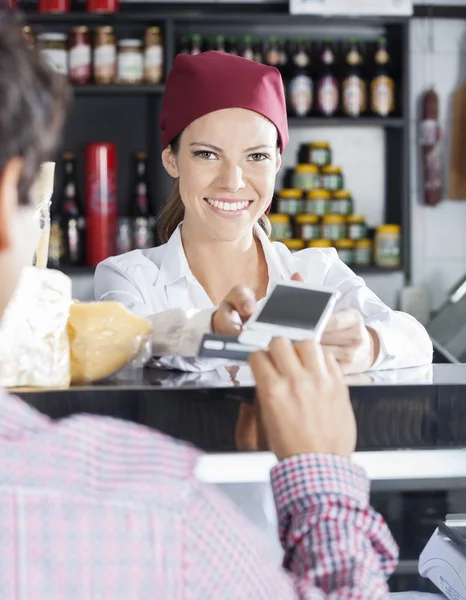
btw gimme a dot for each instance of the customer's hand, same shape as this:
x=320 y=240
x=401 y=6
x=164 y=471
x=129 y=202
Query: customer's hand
x=303 y=401
x=354 y=345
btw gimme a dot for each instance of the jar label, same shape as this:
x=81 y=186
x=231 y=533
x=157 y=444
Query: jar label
x=327 y=95
x=80 y=61
x=153 y=67
x=382 y=96
x=300 y=92
x=105 y=57
x=332 y=182
x=57 y=59
x=354 y=96
x=301 y=59
x=319 y=156
x=130 y=66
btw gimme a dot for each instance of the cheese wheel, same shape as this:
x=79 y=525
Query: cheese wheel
x=103 y=337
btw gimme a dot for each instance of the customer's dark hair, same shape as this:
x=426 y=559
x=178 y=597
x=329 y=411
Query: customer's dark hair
x=33 y=104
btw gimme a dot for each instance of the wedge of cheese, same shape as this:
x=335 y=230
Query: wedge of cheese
x=34 y=346
x=103 y=338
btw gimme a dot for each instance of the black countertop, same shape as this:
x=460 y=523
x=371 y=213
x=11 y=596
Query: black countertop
x=410 y=409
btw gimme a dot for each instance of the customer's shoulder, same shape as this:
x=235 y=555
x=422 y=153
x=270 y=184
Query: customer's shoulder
x=125 y=457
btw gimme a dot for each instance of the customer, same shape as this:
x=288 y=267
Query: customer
x=224 y=128
x=96 y=508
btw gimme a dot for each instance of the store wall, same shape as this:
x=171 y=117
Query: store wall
x=438 y=233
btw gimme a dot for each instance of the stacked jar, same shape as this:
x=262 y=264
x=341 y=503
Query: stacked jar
x=86 y=56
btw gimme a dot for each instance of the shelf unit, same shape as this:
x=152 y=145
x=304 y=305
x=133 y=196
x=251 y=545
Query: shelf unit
x=131 y=118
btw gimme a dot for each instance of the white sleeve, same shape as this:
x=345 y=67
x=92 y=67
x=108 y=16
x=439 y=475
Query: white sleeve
x=404 y=342
x=177 y=333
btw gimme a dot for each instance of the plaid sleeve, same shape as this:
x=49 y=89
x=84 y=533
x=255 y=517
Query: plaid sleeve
x=332 y=538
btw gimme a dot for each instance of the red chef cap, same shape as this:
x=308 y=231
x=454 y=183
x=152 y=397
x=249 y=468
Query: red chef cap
x=201 y=84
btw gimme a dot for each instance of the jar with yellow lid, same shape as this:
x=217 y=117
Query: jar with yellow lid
x=320 y=244
x=317 y=202
x=320 y=153
x=281 y=227
x=345 y=249
x=357 y=228
x=387 y=251
x=342 y=203
x=294 y=245
x=333 y=227
x=306 y=177
x=363 y=252
x=290 y=202
x=307 y=227
x=332 y=178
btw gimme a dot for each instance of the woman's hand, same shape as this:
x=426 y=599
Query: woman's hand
x=302 y=400
x=354 y=345
x=235 y=309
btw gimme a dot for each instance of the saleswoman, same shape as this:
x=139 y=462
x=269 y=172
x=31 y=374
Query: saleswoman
x=224 y=128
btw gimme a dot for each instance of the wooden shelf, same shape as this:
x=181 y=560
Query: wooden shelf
x=389 y=122
x=117 y=90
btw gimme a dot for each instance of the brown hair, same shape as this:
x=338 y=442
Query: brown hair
x=33 y=104
x=172 y=213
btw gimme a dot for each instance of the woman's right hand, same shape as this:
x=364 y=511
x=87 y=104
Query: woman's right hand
x=303 y=401
x=235 y=309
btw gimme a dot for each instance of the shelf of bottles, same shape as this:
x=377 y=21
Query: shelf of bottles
x=326 y=80
x=69 y=245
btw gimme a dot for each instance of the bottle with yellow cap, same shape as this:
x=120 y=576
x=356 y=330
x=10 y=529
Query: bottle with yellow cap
x=307 y=227
x=345 y=249
x=294 y=245
x=357 y=228
x=334 y=227
x=317 y=202
x=387 y=251
x=362 y=252
x=290 y=202
x=320 y=153
x=281 y=227
x=342 y=203
x=306 y=177
x=332 y=178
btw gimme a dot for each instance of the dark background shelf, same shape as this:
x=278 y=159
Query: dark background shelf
x=117 y=90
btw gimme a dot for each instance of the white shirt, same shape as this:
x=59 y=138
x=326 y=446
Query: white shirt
x=158 y=284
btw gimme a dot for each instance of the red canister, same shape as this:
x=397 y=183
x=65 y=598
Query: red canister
x=102 y=6
x=101 y=201
x=54 y=6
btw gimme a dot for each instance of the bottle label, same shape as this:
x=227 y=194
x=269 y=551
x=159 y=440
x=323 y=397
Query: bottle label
x=142 y=234
x=57 y=59
x=80 y=62
x=130 y=66
x=327 y=95
x=354 y=96
x=301 y=59
x=248 y=53
x=103 y=199
x=382 y=95
x=273 y=57
x=300 y=92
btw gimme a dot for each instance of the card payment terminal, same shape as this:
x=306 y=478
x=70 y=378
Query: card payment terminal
x=443 y=560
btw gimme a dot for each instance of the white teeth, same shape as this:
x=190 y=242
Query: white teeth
x=228 y=206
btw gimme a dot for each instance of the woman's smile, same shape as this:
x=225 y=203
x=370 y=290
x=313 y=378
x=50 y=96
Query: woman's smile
x=228 y=207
